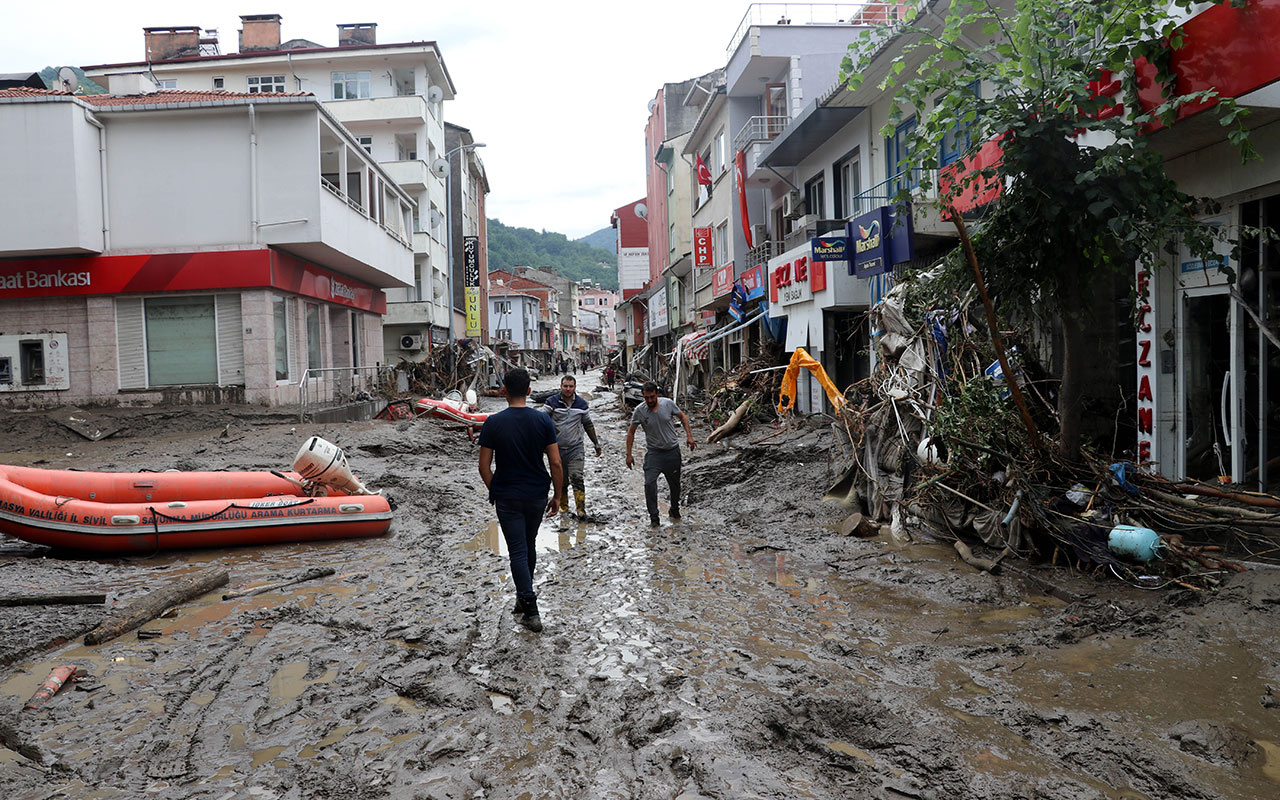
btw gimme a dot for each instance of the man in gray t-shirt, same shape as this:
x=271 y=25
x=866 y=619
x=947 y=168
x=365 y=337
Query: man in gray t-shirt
x=662 y=457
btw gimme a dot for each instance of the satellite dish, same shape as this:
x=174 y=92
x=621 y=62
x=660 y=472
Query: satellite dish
x=68 y=80
x=440 y=168
x=642 y=211
x=437 y=288
x=652 y=105
x=436 y=218
x=435 y=94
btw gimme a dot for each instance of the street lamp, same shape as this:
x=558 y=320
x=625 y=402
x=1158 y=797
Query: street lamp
x=448 y=231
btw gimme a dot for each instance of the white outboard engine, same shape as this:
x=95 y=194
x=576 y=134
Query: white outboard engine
x=324 y=463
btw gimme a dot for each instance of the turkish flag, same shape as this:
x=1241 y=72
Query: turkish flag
x=704 y=173
x=740 y=175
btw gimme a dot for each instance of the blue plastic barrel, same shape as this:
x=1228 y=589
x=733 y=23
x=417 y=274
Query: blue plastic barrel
x=1142 y=544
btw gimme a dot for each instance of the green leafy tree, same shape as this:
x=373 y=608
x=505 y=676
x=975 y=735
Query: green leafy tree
x=1085 y=197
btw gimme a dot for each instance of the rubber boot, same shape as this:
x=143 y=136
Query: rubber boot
x=564 y=503
x=580 y=501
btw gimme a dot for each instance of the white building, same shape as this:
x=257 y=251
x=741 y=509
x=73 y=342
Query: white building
x=513 y=317
x=189 y=246
x=389 y=96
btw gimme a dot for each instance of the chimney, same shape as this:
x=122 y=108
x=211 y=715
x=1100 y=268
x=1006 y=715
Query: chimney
x=163 y=44
x=355 y=34
x=259 y=32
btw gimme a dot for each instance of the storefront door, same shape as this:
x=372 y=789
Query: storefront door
x=1210 y=355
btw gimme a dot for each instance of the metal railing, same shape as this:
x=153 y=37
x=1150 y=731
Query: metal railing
x=882 y=193
x=332 y=386
x=761 y=253
x=336 y=191
x=862 y=14
x=759 y=129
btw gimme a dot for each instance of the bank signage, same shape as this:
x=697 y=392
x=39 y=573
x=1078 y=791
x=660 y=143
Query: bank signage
x=184 y=272
x=829 y=248
x=722 y=280
x=703 y=255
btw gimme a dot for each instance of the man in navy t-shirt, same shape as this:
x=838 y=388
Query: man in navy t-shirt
x=515 y=440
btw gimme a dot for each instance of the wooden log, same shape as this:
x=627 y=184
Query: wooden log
x=731 y=423
x=967 y=556
x=1247 y=499
x=52 y=599
x=859 y=525
x=147 y=608
x=311 y=574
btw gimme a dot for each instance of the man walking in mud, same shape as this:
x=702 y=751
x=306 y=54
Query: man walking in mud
x=516 y=439
x=662 y=457
x=572 y=418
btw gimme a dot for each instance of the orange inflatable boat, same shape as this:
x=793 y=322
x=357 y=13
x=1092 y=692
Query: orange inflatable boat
x=141 y=512
x=452 y=410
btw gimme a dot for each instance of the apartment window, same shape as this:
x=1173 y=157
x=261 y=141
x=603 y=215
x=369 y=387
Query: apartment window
x=280 y=315
x=350 y=85
x=814 y=195
x=170 y=83
x=366 y=142
x=505 y=334
x=258 y=84
x=502 y=307
x=956 y=141
x=897 y=150
x=847 y=173
x=721 y=244
x=719 y=155
x=219 y=83
x=313 y=336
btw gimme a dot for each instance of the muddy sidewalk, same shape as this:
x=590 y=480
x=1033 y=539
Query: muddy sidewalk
x=748 y=651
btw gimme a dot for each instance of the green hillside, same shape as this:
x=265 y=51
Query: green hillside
x=603 y=239
x=525 y=247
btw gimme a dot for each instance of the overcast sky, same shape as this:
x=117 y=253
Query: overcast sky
x=557 y=90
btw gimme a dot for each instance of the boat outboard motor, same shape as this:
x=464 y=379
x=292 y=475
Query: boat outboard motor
x=324 y=463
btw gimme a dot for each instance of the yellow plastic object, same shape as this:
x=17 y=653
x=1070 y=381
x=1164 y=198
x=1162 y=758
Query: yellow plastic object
x=787 y=394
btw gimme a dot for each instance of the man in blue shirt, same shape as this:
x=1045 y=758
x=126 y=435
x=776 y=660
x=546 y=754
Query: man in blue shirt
x=572 y=418
x=516 y=439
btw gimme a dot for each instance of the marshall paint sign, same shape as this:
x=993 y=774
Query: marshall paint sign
x=471 y=283
x=880 y=239
x=703 y=255
x=829 y=248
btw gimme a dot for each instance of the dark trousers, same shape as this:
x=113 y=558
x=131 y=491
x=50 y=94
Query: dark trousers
x=519 y=520
x=661 y=462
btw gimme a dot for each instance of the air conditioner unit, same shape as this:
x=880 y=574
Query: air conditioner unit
x=411 y=342
x=806 y=221
x=759 y=234
x=793 y=205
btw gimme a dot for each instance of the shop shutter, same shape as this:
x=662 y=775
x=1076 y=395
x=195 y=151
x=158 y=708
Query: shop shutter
x=230 y=340
x=131 y=344
x=181 y=340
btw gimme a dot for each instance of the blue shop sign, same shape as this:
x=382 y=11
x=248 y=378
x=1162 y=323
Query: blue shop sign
x=829 y=248
x=880 y=238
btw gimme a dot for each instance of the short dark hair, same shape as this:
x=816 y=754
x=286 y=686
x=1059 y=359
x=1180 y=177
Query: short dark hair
x=516 y=382
x=649 y=386
x=569 y=378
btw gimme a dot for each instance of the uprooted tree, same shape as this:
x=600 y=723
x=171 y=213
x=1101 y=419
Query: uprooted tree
x=1084 y=197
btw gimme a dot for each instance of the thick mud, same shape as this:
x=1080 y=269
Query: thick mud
x=748 y=651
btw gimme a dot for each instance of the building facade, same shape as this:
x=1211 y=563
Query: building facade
x=389 y=96
x=246 y=280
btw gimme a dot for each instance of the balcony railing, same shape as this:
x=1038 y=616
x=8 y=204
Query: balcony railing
x=861 y=14
x=759 y=129
x=882 y=193
x=761 y=253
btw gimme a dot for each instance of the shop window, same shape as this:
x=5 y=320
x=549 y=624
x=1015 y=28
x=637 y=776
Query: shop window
x=314 y=361
x=182 y=340
x=280 y=314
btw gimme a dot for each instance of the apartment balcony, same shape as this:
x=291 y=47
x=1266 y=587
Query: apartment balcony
x=412 y=312
x=404 y=110
x=412 y=176
x=755 y=136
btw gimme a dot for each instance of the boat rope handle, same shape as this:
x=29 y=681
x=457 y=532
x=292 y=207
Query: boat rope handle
x=155 y=527
x=62 y=500
x=217 y=514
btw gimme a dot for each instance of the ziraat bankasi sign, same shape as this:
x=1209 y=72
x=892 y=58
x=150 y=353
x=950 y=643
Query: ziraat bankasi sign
x=44 y=279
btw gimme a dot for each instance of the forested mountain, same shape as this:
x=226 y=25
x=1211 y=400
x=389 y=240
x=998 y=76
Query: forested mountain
x=525 y=247
x=603 y=239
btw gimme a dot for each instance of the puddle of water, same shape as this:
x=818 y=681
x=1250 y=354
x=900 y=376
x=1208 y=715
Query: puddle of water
x=1271 y=759
x=501 y=703
x=266 y=754
x=336 y=735
x=290 y=681
x=551 y=538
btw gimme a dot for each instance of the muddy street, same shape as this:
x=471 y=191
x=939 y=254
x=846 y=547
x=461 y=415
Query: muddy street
x=749 y=650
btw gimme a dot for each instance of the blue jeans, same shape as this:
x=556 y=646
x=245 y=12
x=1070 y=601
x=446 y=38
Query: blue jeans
x=519 y=520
